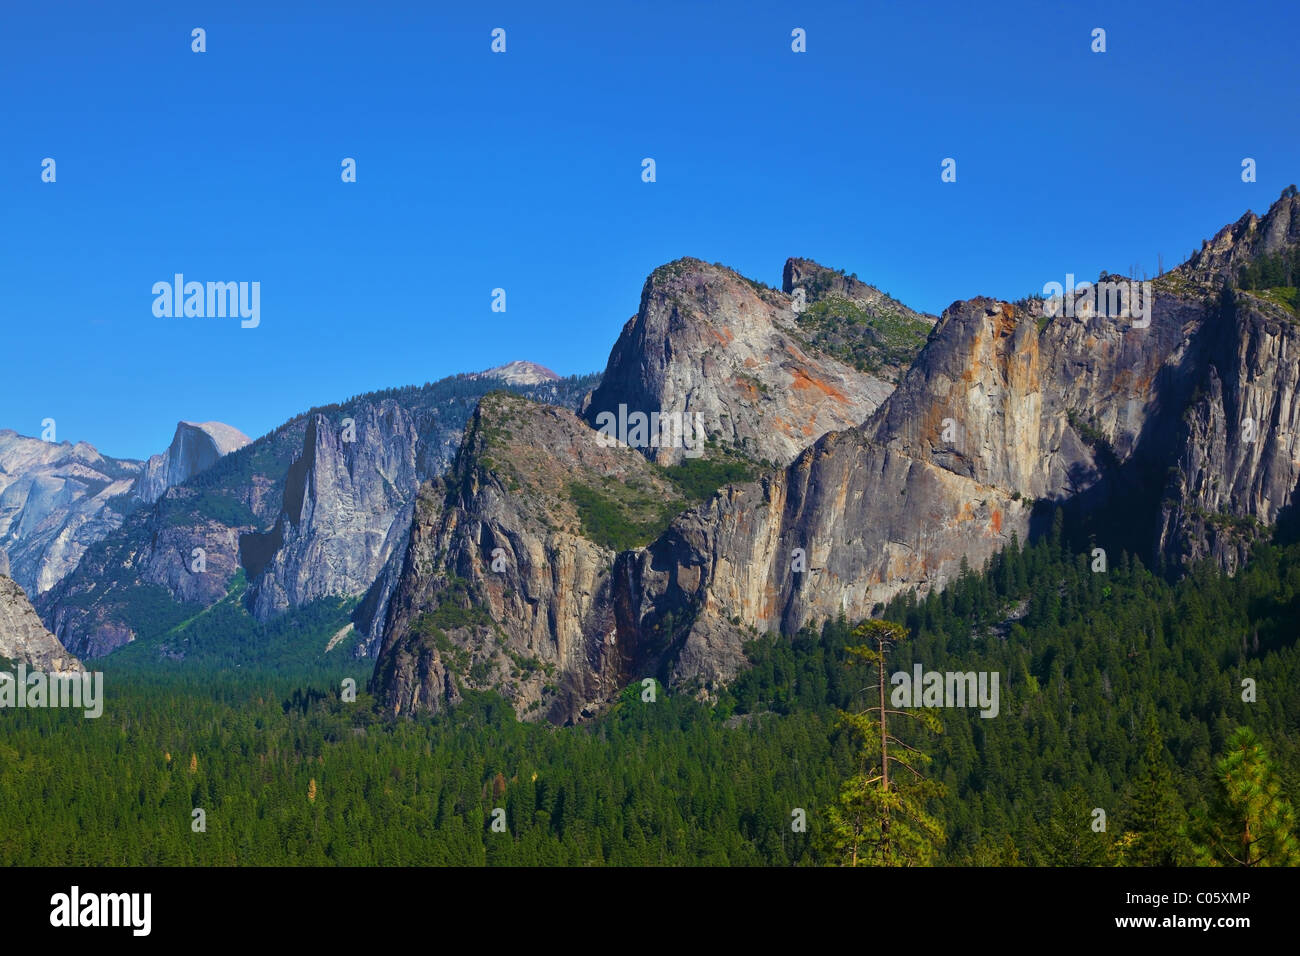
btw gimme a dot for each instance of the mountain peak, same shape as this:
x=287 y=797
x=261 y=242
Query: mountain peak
x=520 y=373
x=1250 y=239
x=227 y=438
x=195 y=447
x=726 y=353
x=821 y=282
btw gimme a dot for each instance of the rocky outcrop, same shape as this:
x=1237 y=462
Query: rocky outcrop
x=506 y=581
x=709 y=346
x=1247 y=240
x=194 y=448
x=1239 y=463
x=23 y=638
x=855 y=322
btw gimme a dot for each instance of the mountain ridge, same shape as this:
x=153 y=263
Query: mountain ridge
x=316 y=507
x=57 y=500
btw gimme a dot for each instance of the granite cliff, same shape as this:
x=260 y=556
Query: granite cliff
x=708 y=342
x=507 y=579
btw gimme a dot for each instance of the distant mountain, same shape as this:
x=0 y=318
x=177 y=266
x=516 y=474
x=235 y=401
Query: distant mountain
x=56 y=500
x=1171 y=435
x=520 y=373
x=194 y=448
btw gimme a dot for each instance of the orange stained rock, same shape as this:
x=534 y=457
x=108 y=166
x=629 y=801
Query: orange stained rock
x=724 y=336
x=1006 y=322
x=932 y=423
x=803 y=381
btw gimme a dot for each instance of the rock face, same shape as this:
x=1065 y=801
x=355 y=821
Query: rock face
x=1240 y=459
x=1173 y=440
x=55 y=501
x=22 y=636
x=344 y=509
x=194 y=448
x=504 y=584
x=319 y=507
x=707 y=342
x=1248 y=239
x=1237 y=463
x=943 y=474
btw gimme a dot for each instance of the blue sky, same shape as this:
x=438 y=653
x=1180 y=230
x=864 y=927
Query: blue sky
x=523 y=171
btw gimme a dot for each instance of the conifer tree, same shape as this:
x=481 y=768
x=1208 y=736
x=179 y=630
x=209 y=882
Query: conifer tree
x=880 y=819
x=1252 y=822
x=1157 y=817
x=1069 y=838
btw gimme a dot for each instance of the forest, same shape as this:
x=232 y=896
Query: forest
x=1169 y=705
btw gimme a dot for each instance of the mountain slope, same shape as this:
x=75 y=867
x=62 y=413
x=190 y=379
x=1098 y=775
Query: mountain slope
x=56 y=500
x=1135 y=431
x=853 y=321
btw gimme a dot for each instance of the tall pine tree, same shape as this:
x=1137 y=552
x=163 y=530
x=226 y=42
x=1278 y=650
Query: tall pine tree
x=879 y=819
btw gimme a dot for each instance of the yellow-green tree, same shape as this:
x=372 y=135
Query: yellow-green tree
x=880 y=817
x=1252 y=822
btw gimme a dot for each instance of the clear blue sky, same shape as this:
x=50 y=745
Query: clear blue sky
x=523 y=171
